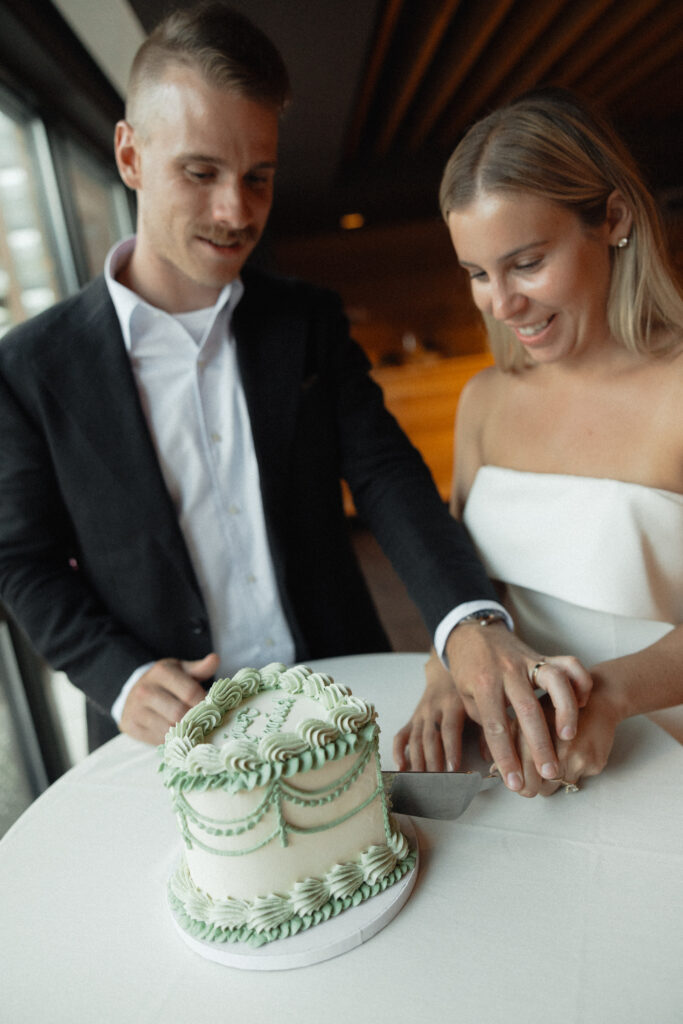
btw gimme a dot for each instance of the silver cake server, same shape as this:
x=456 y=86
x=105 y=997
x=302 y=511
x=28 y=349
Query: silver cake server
x=434 y=794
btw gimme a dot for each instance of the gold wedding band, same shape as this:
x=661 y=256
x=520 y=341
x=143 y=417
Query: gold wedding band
x=534 y=672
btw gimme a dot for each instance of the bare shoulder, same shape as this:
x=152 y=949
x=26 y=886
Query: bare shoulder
x=479 y=395
x=476 y=401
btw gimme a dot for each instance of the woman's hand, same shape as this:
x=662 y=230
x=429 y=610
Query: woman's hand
x=586 y=754
x=432 y=739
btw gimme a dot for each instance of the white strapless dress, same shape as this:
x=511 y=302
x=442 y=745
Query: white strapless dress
x=591 y=567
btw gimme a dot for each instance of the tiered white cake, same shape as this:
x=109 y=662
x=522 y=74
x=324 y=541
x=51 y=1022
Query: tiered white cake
x=277 y=788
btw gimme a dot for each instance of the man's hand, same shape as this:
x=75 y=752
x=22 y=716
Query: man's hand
x=491 y=669
x=432 y=740
x=163 y=695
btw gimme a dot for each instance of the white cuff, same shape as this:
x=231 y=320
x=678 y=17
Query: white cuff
x=447 y=624
x=117 y=706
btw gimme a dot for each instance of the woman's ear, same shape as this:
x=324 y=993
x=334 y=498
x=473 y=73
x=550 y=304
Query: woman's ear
x=619 y=218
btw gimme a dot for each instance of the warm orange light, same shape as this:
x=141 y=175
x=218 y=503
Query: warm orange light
x=351 y=221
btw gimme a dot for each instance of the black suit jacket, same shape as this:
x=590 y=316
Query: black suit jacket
x=92 y=561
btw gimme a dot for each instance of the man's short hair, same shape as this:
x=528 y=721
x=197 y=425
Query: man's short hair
x=227 y=49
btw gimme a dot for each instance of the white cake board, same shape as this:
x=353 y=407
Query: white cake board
x=323 y=941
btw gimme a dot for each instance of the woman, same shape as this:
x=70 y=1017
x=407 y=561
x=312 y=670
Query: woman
x=569 y=452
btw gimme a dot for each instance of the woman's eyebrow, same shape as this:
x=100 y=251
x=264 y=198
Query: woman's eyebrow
x=509 y=255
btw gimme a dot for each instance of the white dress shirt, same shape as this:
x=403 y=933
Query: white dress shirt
x=186 y=371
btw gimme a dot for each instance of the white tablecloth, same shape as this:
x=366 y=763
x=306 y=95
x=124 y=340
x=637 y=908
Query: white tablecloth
x=566 y=910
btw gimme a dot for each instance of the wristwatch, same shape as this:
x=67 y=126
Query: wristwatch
x=484 y=617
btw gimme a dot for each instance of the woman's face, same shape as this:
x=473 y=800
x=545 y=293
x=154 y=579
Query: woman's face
x=535 y=266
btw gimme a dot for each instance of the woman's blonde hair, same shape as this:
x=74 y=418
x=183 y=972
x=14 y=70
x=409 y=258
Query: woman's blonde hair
x=548 y=143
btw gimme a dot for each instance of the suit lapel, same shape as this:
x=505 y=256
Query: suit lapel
x=88 y=372
x=270 y=351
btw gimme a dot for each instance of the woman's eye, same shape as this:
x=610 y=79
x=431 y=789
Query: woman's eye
x=529 y=264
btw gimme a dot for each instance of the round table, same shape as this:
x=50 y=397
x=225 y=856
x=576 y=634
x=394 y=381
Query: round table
x=566 y=909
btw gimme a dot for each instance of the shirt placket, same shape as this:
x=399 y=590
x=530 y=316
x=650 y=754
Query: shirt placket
x=222 y=443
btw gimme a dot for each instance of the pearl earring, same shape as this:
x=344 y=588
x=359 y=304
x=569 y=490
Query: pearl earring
x=623 y=242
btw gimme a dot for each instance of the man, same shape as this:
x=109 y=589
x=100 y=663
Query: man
x=174 y=435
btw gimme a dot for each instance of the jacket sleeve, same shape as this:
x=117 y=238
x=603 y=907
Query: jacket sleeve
x=393 y=489
x=40 y=580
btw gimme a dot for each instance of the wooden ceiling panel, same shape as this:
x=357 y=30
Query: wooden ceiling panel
x=469 y=39
x=523 y=26
x=437 y=67
x=646 y=55
x=568 y=30
x=606 y=39
x=420 y=63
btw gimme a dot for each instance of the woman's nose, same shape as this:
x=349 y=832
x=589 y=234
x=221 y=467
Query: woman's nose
x=506 y=302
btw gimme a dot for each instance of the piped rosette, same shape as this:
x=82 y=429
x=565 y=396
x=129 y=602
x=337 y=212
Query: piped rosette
x=200 y=752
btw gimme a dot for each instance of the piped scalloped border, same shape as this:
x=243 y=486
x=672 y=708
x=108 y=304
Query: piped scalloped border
x=187 y=910
x=188 y=763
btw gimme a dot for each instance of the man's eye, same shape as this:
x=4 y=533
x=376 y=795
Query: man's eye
x=199 y=175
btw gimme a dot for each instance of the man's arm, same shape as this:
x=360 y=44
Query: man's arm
x=49 y=592
x=40 y=580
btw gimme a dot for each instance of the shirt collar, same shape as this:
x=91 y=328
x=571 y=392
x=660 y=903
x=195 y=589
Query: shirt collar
x=127 y=302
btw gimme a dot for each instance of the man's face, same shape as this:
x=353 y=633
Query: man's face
x=202 y=161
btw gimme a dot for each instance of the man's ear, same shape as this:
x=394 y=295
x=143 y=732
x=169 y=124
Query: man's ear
x=127 y=154
x=619 y=217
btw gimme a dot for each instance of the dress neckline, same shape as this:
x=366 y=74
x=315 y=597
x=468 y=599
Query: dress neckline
x=606 y=480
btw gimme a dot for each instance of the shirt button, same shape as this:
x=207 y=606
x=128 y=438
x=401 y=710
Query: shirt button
x=234 y=510
x=198 y=626
x=251 y=578
x=216 y=437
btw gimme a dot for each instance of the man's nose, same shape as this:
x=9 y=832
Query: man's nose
x=231 y=206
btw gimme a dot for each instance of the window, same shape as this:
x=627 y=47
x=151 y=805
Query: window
x=100 y=204
x=28 y=275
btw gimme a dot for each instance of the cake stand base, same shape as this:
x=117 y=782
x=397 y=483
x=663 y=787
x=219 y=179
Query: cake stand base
x=323 y=941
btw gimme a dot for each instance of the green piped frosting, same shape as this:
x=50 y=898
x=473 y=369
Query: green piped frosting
x=275 y=794
x=278 y=916
x=190 y=763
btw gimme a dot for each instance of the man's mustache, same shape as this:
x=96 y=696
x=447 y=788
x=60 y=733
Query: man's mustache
x=240 y=237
